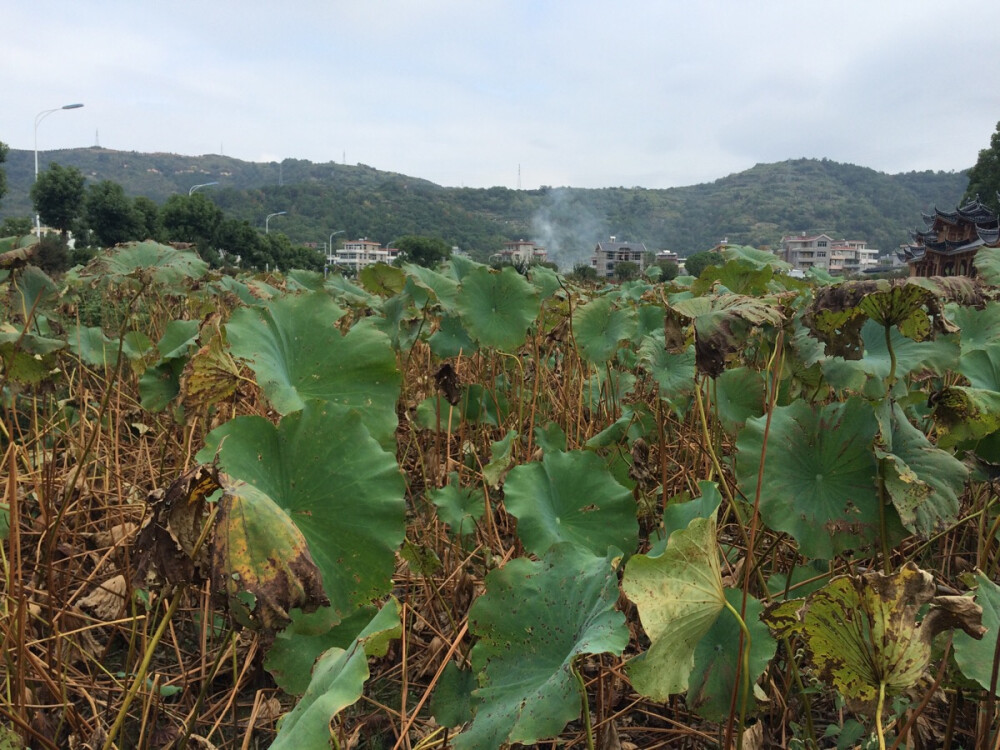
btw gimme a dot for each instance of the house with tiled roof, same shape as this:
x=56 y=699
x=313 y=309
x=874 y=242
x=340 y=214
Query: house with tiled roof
x=609 y=254
x=948 y=244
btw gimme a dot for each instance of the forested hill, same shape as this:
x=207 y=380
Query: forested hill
x=755 y=207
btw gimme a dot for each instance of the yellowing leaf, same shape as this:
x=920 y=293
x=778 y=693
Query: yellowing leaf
x=679 y=596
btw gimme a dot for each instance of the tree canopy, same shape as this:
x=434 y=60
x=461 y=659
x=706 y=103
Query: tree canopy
x=4 y=150
x=424 y=251
x=698 y=262
x=58 y=196
x=111 y=215
x=984 y=177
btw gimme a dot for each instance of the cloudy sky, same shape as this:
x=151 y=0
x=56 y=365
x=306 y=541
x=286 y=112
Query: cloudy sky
x=583 y=93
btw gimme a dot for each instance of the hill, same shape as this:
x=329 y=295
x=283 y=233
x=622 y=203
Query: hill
x=754 y=207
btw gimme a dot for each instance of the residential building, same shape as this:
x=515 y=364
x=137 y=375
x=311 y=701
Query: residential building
x=521 y=253
x=948 y=245
x=609 y=254
x=805 y=251
x=356 y=254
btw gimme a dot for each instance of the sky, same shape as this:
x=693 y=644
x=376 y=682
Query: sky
x=514 y=93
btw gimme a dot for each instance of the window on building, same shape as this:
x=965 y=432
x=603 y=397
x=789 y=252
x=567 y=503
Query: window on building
x=821 y=243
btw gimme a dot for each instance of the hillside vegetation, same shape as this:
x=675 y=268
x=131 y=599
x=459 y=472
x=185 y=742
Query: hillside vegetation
x=755 y=207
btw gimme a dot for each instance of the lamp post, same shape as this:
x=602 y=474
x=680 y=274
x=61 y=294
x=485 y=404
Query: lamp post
x=204 y=184
x=267 y=229
x=38 y=118
x=329 y=257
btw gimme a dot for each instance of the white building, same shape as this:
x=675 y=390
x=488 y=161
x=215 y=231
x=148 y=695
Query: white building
x=356 y=254
x=821 y=251
x=521 y=253
x=609 y=254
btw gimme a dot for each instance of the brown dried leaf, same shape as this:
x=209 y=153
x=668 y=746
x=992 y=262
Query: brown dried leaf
x=108 y=599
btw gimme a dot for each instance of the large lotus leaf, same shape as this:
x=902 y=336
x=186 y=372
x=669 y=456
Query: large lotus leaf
x=32 y=293
x=399 y=321
x=682 y=510
x=861 y=634
x=95 y=349
x=965 y=414
x=165 y=264
x=297 y=353
x=322 y=467
x=382 y=279
x=301 y=280
x=258 y=551
x=939 y=356
x=738 y=396
x=497 y=307
x=717 y=659
x=451 y=704
x=570 y=497
x=923 y=482
x=546 y=281
x=979 y=327
x=988 y=265
x=754 y=256
x=210 y=375
x=679 y=596
x=337 y=682
x=597 y=329
x=819 y=474
x=673 y=372
x=451 y=339
x=975 y=657
x=458 y=507
x=737 y=277
x=722 y=324
x=982 y=367
x=533 y=623
x=445 y=289
x=160 y=384
x=344 y=290
x=293 y=652
x=178 y=338
x=649 y=322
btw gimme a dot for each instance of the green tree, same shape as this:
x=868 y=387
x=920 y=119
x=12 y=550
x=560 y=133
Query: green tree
x=111 y=215
x=668 y=269
x=626 y=270
x=236 y=240
x=4 y=149
x=51 y=254
x=151 y=228
x=984 y=177
x=15 y=226
x=58 y=196
x=190 y=218
x=424 y=251
x=698 y=262
x=583 y=272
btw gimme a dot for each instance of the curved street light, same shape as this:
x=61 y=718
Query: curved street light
x=204 y=184
x=267 y=229
x=38 y=118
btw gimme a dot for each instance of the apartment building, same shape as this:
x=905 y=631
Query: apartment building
x=609 y=254
x=838 y=257
x=356 y=254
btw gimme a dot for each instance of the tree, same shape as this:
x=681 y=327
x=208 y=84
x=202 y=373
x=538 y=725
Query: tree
x=695 y=264
x=148 y=213
x=57 y=196
x=111 y=215
x=583 y=272
x=424 y=251
x=984 y=177
x=668 y=270
x=190 y=218
x=236 y=240
x=15 y=226
x=4 y=149
x=626 y=270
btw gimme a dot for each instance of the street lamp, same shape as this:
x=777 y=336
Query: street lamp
x=267 y=229
x=204 y=184
x=38 y=118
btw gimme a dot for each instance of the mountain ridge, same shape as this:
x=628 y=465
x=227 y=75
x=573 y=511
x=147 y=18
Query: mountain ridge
x=756 y=206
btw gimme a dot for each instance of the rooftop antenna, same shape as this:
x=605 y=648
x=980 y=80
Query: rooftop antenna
x=97 y=139
x=518 y=176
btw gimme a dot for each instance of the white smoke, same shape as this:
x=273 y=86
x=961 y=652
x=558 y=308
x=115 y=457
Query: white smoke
x=567 y=228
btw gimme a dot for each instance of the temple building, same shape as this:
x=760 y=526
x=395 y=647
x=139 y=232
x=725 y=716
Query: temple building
x=948 y=246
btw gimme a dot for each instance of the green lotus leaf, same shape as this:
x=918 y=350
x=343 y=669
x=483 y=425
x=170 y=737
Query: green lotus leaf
x=458 y=507
x=738 y=396
x=399 y=321
x=717 y=659
x=570 y=497
x=819 y=474
x=924 y=482
x=861 y=633
x=445 y=289
x=32 y=292
x=258 y=550
x=551 y=438
x=451 y=339
x=293 y=652
x=682 y=510
x=164 y=264
x=349 y=293
x=736 y=277
x=975 y=656
x=533 y=622
x=598 y=329
x=179 y=336
x=988 y=265
x=500 y=459
x=382 y=279
x=451 y=704
x=160 y=384
x=325 y=470
x=982 y=367
x=497 y=307
x=301 y=280
x=979 y=327
x=673 y=372
x=649 y=322
x=545 y=280
x=679 y=596
x=298 y=354
x=755 y=257
x=337 y=682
